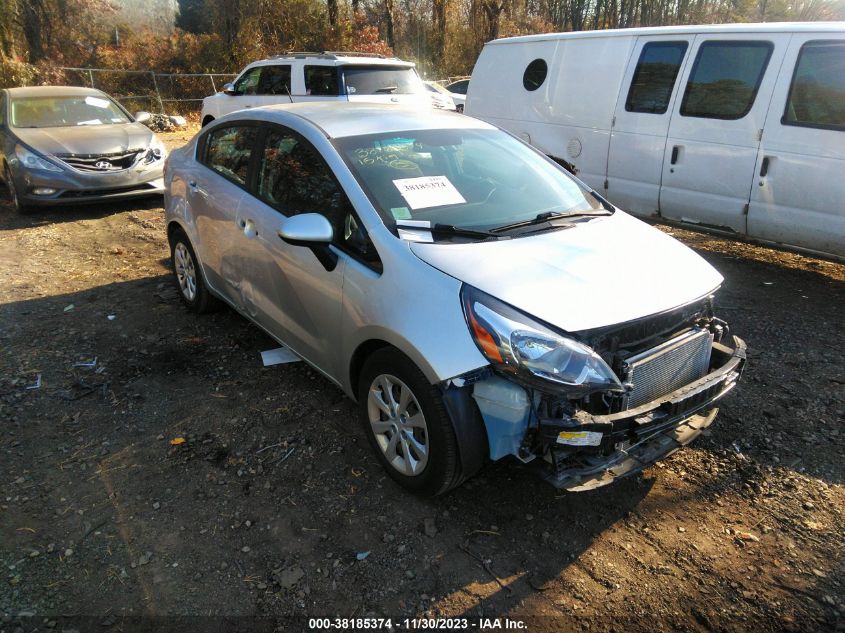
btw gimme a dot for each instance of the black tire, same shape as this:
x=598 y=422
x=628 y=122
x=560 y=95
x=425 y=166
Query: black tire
x=19 y=206
x=442 y=470
x=459 y=108
x=207 y=120
x=196 y=295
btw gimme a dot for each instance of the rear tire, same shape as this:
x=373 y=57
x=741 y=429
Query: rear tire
x=207 y=120
x=187 y=274
x=406 y=422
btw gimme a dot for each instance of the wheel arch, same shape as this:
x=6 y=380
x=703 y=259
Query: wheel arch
x=206 y=120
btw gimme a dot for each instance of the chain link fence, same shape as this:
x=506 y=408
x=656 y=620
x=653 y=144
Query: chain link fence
x=165 y=93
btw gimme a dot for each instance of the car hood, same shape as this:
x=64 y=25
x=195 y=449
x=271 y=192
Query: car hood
x=601 y=272
x=86 y=139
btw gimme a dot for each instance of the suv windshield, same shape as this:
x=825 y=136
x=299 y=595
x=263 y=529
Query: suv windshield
x=473 y=179
x=65 y=111
x=374 y=80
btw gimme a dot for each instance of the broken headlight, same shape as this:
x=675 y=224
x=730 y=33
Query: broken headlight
x=515 y=343
x=156 y=151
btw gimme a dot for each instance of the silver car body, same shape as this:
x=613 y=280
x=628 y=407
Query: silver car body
x=607 y=271
x=95 y=162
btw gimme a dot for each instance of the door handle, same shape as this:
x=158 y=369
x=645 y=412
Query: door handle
x=674 y=159
x=764 y=168
x=195 y=187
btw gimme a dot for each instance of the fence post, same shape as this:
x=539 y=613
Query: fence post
x=213 y=87
x=158 y=94
x=91 y=77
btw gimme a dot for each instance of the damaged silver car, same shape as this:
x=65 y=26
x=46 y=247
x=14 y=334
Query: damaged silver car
x=62 y=144
x=477 y=300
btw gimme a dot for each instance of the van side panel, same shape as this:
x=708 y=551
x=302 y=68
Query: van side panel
x=798 y=194
x=569 y=116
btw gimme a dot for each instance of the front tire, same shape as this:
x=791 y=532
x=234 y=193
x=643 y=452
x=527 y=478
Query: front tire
x=407 y=424
x=188 y=276
x=19 y=206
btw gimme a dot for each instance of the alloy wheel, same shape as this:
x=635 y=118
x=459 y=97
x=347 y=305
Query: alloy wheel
x=398 y=424
x=186 y=272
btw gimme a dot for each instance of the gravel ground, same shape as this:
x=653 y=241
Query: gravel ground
x=179 y=477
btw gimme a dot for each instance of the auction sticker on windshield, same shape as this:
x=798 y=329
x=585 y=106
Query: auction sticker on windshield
x=428 y=191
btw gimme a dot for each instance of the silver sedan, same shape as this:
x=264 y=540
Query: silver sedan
x=476 y=300
x=65 y=145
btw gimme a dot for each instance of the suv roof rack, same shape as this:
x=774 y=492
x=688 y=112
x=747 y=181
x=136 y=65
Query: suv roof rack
x=327 y=54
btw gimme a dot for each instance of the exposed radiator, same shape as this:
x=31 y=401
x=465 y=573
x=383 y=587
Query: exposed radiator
x=668 y=366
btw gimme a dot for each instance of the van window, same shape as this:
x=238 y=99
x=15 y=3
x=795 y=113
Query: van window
x=228 y=151
x=535 y=74
x=725 y=79
x=817 y=94
x=654 y=77
x=321 y=81
x=275 y=80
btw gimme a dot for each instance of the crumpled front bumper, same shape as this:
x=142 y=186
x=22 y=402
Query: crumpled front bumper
x=637 y=438
x=75 y=187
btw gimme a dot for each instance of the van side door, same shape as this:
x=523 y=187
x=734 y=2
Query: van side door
x=641 y=122
x=798 y=190
x=716 y=126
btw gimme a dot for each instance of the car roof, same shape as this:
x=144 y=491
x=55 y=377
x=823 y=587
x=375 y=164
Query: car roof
x=335 y=59
x=54 y=91
x=342 y=119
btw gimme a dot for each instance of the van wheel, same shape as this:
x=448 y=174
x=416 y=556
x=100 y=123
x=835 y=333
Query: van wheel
x=459 y=108
x=188 y=276
x=207 y=120
x=407 y=424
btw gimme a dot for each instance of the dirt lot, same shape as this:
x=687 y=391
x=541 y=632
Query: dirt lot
x=264 y=509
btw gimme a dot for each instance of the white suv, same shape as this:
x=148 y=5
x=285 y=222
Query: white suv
x=327 y=76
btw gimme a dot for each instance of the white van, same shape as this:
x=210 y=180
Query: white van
x=327 y=76
x=737 y=128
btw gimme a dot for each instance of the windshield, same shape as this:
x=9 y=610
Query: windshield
x=374 y=80
x=68 y=111
x=473 y=179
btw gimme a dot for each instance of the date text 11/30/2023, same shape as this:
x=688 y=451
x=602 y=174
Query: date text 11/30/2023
x=416 y=624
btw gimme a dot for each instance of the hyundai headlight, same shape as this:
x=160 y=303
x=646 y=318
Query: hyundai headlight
x=517 y=344
x=31 y=160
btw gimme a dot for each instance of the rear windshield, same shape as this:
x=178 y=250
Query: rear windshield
x=66 y=111
x=385 y=80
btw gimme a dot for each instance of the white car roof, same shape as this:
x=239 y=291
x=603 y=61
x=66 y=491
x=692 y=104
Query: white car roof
x=335 y=59
x=768 y=27
x=342 y=119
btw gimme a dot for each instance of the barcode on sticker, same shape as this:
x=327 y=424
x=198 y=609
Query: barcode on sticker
x=579 y=438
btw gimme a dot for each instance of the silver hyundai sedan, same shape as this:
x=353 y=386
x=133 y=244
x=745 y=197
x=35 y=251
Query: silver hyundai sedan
x=476 y=300
x=65 y=145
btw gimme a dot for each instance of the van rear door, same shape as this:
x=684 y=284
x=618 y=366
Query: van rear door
x=716 y=126
x=798 y=190
x=641 y=121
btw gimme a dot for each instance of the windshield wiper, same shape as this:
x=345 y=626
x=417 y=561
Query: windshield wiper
x=388 y=89
x=547 y=217
x=449 y=229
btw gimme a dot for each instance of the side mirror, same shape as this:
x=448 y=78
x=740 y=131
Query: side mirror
x=143 y=116
x=229 y=89
x=313 y=231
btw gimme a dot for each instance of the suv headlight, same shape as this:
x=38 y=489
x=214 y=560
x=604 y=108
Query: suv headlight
x=517 y=344
x=31 y=160
x=156 y=150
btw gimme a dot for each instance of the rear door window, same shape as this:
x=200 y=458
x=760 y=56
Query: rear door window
x=725 y=78
x=275 y=80
x=375 y=80
x=817 y=94
x=321 y=81
x=228 y=151
x=654 y=78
